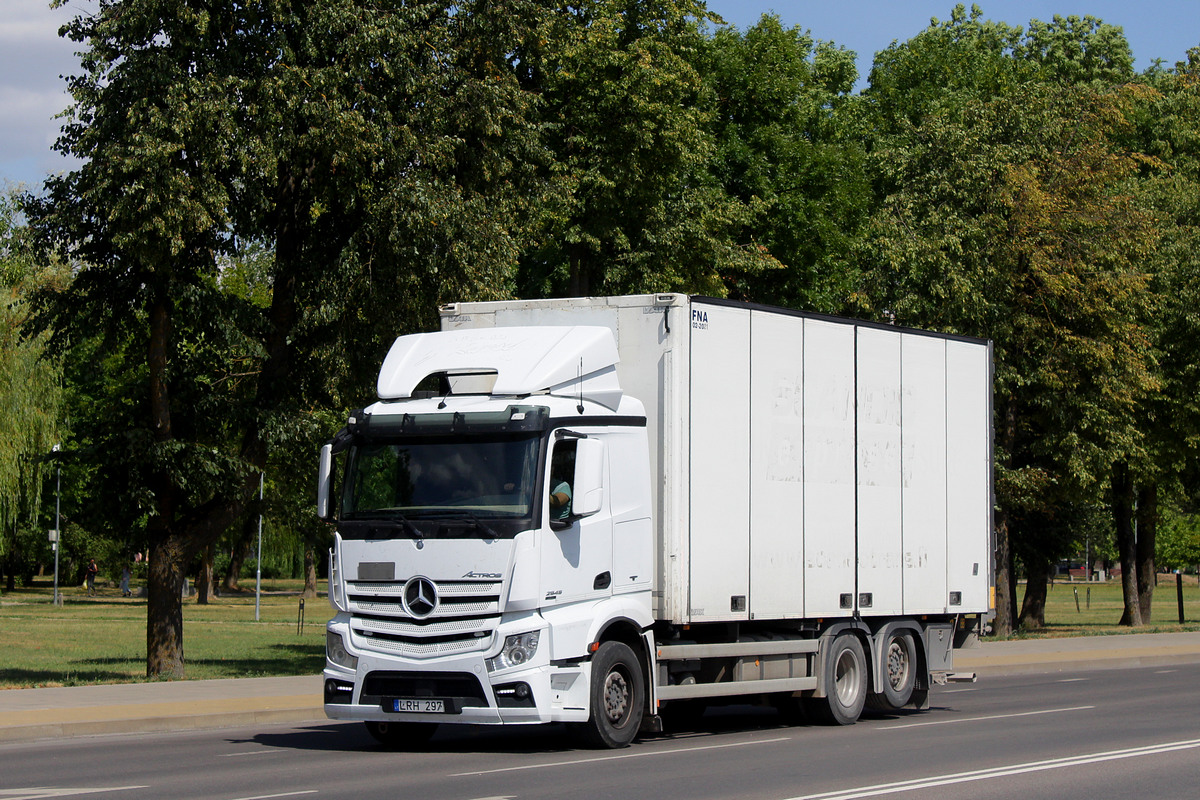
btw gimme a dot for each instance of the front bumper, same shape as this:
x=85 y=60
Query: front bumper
x=533 y=693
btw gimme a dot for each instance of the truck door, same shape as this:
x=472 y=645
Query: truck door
x=577 y=557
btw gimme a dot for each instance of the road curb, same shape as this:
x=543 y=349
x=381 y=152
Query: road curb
x=1075 y=661
x=180 y=722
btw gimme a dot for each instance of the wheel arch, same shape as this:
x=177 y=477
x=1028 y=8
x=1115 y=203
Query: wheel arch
x=630 y=633
x=860 y=631
x=878 y=648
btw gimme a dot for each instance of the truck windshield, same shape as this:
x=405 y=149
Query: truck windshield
x=438 y=486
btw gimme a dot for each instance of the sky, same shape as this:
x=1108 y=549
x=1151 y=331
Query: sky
x=33 y=59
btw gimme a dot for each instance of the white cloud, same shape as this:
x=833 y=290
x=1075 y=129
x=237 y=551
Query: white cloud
x=32 y=93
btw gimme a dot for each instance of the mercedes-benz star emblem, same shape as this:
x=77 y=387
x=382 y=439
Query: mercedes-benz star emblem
x=420 y=597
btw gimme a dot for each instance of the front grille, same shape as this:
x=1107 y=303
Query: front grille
x=423 y=649
x=461 y=687
x=464 y=620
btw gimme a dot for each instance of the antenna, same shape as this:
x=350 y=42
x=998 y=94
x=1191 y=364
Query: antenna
x=579 y=407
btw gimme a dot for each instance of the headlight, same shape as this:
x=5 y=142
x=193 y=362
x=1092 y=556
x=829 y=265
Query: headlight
x=517 y=650
x=335 y=651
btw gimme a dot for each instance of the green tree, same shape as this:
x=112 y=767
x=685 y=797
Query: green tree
x=30 y=388
x=625 y=117
x=1179 y=540
x=1000 y=162
x=1170 y=417
x=1006 y=223
x=372 y=148
x=1078 y=50
x=785 y=153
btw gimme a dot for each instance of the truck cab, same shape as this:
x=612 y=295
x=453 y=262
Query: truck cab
x=493 y=530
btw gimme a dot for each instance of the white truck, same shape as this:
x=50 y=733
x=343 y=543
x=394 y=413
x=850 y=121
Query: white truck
x=610 y=511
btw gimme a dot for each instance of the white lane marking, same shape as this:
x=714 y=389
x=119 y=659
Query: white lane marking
x=1072 y=680
x=281 y=794
x=982 y=719
x=1165 y=671
x=956 y=691
x=39 y=792
x=1000 y=772
x=647 y=754
x=247 y=753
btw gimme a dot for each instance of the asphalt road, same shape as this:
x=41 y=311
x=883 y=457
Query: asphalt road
x=1088 y=734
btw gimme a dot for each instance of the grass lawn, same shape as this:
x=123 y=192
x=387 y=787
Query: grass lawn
x=1098 y=615
x=102 y=639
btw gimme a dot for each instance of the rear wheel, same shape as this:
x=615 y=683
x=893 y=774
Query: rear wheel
x=618 y=695
x=845 y=669
x=401 y=735
x=899 y=669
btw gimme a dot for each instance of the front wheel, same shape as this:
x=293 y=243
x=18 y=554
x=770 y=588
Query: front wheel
x=618 y=697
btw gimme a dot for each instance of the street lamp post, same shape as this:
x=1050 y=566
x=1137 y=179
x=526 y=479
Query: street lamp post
x=262 y=476
x=57 y=523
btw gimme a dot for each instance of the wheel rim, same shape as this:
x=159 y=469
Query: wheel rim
x=616 y=696
x=846 y=677
x=897 y=665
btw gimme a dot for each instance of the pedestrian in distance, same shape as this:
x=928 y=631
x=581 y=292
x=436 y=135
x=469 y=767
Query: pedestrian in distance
x=92 y=569
x=125 y=575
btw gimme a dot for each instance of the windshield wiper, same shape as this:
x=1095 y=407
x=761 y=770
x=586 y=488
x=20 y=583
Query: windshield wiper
x=480 y=525
x=405 y=523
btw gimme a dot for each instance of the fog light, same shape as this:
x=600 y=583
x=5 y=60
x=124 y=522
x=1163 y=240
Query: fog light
x=338 y=692
x=513 y=695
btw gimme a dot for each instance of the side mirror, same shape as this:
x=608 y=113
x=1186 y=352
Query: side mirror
x=587 y=495
x=325 y=483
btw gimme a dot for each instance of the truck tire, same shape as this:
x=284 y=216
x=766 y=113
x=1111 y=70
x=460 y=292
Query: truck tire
x=898 y=670
x=618 y=697
x=401 y=735
x=845 y=669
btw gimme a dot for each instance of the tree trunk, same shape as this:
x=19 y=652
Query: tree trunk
x=164 y=579
x=1122 y=505
x=237 y=558
x=164 y=609
x=1002 y=625
x=1033 y=608
x=1147 y=530
x=204 y=579
x=1006 y=594
x=310 y=573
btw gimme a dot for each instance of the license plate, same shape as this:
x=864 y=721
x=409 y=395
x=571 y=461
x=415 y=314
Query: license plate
x=419 y=705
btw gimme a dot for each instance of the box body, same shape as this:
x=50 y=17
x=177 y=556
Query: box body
x=803 y=466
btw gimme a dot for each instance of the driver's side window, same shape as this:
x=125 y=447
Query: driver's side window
x=562 y=474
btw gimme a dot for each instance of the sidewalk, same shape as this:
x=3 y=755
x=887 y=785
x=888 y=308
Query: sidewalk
x=166 y=706
x=28 y=714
